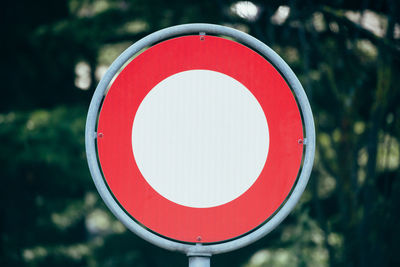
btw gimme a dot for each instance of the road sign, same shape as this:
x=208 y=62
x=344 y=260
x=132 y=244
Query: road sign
x=200 y=139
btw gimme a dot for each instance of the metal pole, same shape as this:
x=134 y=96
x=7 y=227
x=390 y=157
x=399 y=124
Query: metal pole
x=199 y=261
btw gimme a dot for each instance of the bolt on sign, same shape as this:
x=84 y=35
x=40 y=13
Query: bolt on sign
x=200 y=139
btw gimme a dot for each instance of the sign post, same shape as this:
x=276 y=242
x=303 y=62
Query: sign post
x=203 y=143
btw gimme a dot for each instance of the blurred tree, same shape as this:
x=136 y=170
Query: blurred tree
x=346 y=53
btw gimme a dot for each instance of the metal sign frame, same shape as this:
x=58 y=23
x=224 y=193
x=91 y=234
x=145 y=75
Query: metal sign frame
x=199 y=254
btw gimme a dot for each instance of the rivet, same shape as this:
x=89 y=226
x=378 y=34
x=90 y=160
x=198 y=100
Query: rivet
x=300 y=141
x=198 y=238
x=100 y=135
x=202 y=36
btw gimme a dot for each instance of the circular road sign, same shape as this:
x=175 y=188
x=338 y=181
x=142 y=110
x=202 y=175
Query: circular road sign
x=200 y=138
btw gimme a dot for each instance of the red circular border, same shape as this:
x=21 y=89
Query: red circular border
x=161 y=215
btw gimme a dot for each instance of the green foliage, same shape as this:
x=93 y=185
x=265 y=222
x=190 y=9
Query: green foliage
x=346 y=54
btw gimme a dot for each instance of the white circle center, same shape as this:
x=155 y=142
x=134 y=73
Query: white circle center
x=200 y=138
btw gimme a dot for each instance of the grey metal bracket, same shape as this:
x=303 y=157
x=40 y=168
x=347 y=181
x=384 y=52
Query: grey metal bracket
x=199 y=256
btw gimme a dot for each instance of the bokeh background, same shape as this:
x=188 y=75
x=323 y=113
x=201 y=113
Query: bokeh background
x=346 y=54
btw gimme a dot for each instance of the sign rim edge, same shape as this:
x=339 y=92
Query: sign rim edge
x=287 y=74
